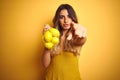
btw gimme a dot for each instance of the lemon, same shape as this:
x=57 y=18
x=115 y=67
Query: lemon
x=55 y=40
x=49 y=45
x=48 y=36
x=55 y=32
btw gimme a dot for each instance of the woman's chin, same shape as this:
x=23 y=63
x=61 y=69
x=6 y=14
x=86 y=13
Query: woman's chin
x=66 y=28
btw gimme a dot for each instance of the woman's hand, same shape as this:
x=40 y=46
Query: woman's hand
x=46 y=27
x=77 y=30
x=78 y=34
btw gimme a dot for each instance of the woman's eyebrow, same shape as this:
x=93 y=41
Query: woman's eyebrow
x=61 y=15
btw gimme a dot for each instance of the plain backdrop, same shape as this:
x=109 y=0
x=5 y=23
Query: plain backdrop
x=21 y=44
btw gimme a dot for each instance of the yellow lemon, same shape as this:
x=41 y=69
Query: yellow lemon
x=49 y=45
x=55 y=32
x=47 y=36
x=55 y=40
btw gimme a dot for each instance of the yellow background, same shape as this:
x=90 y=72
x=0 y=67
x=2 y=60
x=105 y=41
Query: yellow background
x=21 y=47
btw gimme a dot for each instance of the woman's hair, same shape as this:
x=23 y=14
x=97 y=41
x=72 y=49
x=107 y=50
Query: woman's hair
x=68 y=46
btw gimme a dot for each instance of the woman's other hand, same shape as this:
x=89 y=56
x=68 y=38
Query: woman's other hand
x=46 y=27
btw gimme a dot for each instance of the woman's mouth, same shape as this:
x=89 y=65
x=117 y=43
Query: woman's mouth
x=65 y=25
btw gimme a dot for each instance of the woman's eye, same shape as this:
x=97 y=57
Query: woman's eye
x=61 y=17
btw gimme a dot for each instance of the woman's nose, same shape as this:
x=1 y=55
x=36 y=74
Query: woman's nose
x=65 y=20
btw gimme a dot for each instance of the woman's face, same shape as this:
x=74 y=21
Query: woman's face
x=65 y=20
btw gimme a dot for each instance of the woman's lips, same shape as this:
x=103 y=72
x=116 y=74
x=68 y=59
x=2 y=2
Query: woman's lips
x=65 y=25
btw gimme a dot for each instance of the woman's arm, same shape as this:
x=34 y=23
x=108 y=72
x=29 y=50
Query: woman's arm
x=46 y=58
x=79 y=41
x=78 y=34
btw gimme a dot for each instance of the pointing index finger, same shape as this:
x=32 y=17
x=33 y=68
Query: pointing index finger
x=73 y=25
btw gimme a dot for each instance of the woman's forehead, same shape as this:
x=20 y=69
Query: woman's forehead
x=63 y=12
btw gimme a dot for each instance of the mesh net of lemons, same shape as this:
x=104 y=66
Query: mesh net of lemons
x=51 y=38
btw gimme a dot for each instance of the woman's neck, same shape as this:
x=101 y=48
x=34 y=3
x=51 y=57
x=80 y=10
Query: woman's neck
x=64 y=32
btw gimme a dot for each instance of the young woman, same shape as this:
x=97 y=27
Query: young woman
x=61 y=62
